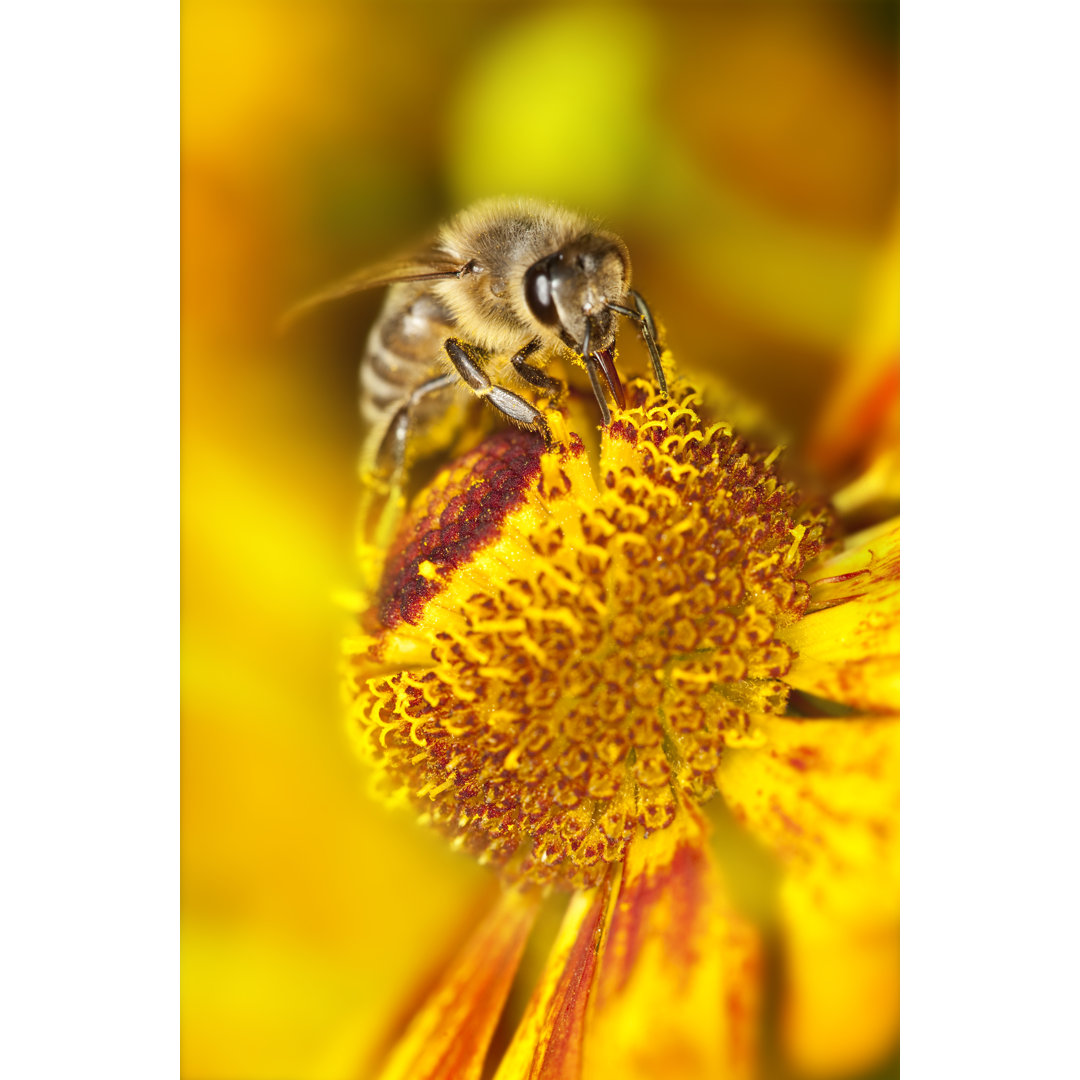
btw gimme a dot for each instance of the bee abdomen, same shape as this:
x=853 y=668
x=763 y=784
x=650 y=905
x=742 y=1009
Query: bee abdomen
x=410 y=321
x=404 y=347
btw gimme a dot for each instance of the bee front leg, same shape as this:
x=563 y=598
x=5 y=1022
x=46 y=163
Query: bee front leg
x=641 y=314
x=467 y=363
x=540 y=379
x=648 y=332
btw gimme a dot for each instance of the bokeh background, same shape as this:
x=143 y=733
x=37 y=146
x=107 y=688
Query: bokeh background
x=747 y=152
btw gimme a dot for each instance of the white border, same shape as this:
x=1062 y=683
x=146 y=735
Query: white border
x=89 y=425
x=991 y=190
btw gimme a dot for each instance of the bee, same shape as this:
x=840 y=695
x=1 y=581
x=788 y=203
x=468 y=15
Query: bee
x=505 y=287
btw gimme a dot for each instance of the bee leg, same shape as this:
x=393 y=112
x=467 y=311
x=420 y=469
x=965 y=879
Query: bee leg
x=382 y=498
x=648 y=331
x=467 y=364
x=390 y=456
x=641 y=313
x=540 y=379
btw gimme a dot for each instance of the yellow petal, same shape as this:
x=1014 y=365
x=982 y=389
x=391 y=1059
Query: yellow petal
x=862 y=408
x=841 y=1009
x=448 y=1038
x=875 y=493
x=849 y=645
x=678 y=987
x=824 y=795
x=548 y=1041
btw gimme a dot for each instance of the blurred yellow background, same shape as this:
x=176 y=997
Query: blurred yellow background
x=747 y=153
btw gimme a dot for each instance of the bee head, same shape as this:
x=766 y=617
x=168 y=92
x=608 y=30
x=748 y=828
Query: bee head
x=569 y=291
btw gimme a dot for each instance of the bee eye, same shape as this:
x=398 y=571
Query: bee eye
x=538 y=293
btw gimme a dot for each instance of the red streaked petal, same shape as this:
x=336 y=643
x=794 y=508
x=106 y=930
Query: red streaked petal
x=679 y=982
x=548 y=1041
x=849 y=644
x=448 y=1038
x=824 y=795
x=861 y=411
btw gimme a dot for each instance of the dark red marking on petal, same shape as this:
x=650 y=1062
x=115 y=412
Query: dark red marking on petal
x=804 y=757
x=680 y=886
x=562 y=1056
x=840 y=577
x=786 y=820
x=623 y=429
x=453 y=525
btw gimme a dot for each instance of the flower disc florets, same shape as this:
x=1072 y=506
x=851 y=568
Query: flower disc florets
x=557 y=656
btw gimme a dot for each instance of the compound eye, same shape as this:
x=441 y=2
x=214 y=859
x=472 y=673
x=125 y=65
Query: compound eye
x=538 y=293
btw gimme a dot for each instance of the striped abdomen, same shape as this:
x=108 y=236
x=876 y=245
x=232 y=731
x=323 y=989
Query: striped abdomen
x=404 y=350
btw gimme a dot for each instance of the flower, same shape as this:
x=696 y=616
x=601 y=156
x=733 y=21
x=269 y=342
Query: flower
x=562 y=664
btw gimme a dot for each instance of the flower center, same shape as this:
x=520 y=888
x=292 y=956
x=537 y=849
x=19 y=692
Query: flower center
x=556 y=657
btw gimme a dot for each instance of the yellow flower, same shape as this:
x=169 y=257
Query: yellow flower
x=568 y=656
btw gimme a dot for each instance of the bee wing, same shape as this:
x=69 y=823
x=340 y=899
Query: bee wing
x=428 y=266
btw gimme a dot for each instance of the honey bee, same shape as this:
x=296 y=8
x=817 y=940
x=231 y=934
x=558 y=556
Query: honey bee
x=505 y=287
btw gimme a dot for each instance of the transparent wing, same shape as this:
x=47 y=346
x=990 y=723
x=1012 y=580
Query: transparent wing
x=431 y=265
